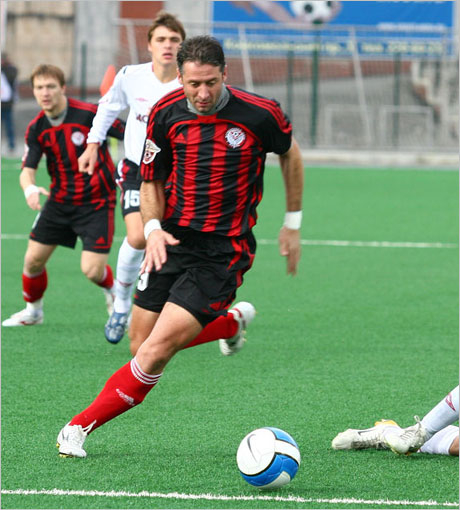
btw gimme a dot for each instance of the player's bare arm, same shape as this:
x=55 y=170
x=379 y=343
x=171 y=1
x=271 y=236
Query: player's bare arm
x=87 y=161
x=152 y=205
x=31 y=190
x=289 y=237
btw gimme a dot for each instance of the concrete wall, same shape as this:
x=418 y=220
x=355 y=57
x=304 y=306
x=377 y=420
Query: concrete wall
x=40 y=32
x=54 y=32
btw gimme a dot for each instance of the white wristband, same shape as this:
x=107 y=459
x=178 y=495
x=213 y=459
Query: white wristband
x=150 y=226
x=31 y=188
x=293 y=220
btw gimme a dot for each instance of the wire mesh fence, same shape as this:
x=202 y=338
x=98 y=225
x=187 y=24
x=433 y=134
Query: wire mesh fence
x=344 y=88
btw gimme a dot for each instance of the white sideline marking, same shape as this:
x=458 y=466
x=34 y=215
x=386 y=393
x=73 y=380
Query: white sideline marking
x=306 y=242
x=366 y=244
x=215 y=497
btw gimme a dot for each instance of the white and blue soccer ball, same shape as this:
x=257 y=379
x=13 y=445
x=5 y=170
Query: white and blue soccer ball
x=268 y=458
x=316 y=12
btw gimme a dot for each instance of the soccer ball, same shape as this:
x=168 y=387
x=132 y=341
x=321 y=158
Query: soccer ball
x=316 y=12
x=268 y=458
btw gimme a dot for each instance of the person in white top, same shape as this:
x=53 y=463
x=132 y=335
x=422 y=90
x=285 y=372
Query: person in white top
x=137 y=87
x=435 y=433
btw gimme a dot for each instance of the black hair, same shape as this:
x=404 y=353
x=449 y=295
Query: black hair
x=202 y=49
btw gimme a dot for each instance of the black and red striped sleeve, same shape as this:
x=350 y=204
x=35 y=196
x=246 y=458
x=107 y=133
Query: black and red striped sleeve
x=33 y=151
x=117 y=129
x=274 y=128
x=156 y=161
x=279 y=129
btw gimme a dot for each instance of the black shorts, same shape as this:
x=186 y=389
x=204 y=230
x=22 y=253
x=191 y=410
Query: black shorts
x=129 y=181
x=62 y=223
x=201 y=274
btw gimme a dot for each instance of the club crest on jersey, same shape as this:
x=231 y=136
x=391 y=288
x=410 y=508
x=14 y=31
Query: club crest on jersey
x=150 y=151
x=235 y=137
x=78 y=138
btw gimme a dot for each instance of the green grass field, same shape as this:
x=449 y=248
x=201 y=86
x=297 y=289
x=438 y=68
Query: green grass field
x=364 y=331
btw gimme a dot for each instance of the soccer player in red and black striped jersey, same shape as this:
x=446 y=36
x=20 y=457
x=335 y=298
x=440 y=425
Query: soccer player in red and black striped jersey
x=78 y=205
x=202 y=173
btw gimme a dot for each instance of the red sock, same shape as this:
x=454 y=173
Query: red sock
x=224 y=326
x=33 y=287
x=125 y=389
x=107 y=279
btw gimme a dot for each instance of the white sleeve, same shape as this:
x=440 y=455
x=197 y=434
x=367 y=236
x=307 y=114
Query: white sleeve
x=110 y=105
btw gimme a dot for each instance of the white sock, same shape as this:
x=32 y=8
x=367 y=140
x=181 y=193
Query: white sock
x=128 y=265
x=443 y=414
x=35 y=306
x=441 y=442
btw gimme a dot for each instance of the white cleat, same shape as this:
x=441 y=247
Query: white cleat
x=354 y=439
x=408 y=440
x=109 y=295
x=70 y=441
x=244 y=314
x=24 y=318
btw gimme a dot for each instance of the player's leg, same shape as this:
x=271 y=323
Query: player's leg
x=185 y=296
x=142 y=323
x=129 y=261
x=34 y=284
x=229 y=329
x=131 y=251
x=412 y=438
x=95 y=228
x=443 y=414
x=129 y=385
x=95 y=267
x=232 y=325
x=50 y=228
x=453 y=449
x=444 y=442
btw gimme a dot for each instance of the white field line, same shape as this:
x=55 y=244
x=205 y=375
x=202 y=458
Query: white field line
x=217 y=497
x=365 y=244
x=307 y=242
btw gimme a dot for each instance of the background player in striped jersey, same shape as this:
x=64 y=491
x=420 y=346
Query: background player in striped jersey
x=78 y=205
x=137 y=87
x=209 y=143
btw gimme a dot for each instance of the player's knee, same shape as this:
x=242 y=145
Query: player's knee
x=93 y=272
x=154 y=355
x=453 y=450
x=33 y=264
x=136 y=239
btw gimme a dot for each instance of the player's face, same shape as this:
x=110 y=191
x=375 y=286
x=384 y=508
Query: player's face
x=202 y=84
x=164 y=45
x=50 y=95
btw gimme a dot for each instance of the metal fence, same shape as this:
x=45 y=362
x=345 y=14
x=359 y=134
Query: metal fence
x=346 y=88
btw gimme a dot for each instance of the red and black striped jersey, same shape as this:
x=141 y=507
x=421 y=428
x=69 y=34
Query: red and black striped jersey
x=214 y=164
x=62 y=146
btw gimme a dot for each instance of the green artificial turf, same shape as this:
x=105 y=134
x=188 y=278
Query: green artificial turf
x=361 y=333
